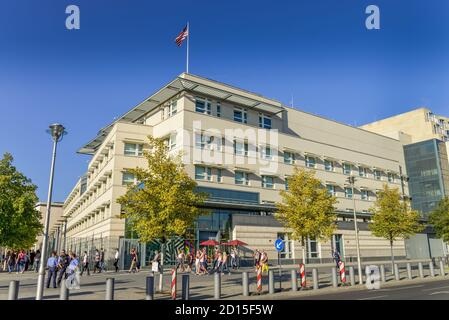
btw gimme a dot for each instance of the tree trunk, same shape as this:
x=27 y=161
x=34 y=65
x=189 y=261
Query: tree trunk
x=392 y=257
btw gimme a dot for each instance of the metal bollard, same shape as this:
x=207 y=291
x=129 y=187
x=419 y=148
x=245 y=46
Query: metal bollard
x=270 y=281
x=150 y=288
x=409 y=271
x=110 y=288
x=442 y=273
x=185 y=287
x=397 y=276
x=217 y=285
x=245 y=284
x=294 y=280
x=316 y=284
x=351 y=276
x=64 y=293
x=334 y=277
x=13 y=293
x=382 y=273
x=420 y=269
x=431 y=269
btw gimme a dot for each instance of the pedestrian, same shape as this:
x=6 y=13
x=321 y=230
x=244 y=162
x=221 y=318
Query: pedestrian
x=11 y=261
x=97 y=261
x=116 y=258
x=52 y=266
x=203 y=262
x=21 y=261
x=133 y=261
x=102 y=264
x=197 y=262
x=85 y=264
x=63 y=263
x=224 y=263
x=337 y=258
x=37 y=260
x=233 y=259
x=157 y=259
x=32 y=257
x=73 y=265
x=180 y=260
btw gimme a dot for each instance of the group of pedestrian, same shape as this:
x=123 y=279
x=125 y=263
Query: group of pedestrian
x=220 y=261
x=261 y=260
x=61 y=267
x=20 y=261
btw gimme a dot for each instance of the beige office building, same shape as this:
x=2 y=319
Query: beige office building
x=56 y=219
x=241 y=148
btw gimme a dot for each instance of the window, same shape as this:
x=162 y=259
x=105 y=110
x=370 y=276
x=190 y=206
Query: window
x=312 y=248
x=377 y=174
x=310 y=162
x=241 y=178
x=346 y=168
x=173 y=108
x=133 y=149
x=127 y=178
x=390 y=177
x=362 y=171
x=330 y=189
x=218 y=109
x=202 y=141
x=266 y=153
x=328 y=165
x=241 y=148
x=240 y=115
x=203 y=173
x=364 y=195
x=202 y=105
x=264 y=121
x=267 y=182
x=286 y=252
x=348 y=193
x=171 y=141
x=289 y=157
x=219 y=175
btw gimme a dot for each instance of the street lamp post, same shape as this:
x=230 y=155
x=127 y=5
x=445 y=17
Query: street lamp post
x=351 y=181
x=57 y=132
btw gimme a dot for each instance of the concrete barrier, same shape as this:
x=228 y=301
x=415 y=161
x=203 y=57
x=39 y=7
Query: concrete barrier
x=150 y=288
x=64 y=293
x=420 y=270
x=217 y=285
x=294 y=280
x=334 y=277
x=13 y=293
x=409 y=271
x=352 y=276
x=245 y=284
x=442 y=272
x=270 y=281
x=110 y=289
x=315 y=278
x=397 y=276
x=431 y=269
x=185 y=295
x=382 y=273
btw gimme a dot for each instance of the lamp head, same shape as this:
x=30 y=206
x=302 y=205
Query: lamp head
x=57 y=131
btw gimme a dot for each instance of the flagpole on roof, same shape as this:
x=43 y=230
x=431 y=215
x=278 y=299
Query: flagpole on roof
x=188 y=37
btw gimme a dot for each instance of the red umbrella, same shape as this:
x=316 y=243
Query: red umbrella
x=236 y=243
x=209 y=243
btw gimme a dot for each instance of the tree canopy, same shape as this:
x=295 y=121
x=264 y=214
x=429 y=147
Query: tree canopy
x=164 y=202
x=392 y=217
x=306 y=207
x=439 y=218
x=19 y=219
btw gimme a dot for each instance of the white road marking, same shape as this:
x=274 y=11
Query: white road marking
x=435 y=288
x=376 y=297
x=439 y=292
x=402 y=288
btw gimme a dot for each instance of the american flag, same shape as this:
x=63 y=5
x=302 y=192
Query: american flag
x=181 y=37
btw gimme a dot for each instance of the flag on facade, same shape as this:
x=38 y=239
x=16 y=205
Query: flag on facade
x=182 y=36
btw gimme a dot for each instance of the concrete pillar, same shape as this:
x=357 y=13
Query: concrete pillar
x=442 y=273
x=13 y=293
x=315 y=279
x=409 y=271
x=245 y=284
x=397 y=276
x=431 y=269
x=294 y=280
x=351 y=276
x=334 y=277
x=420 y=269
x=110 y=288
x=382 y=273
x=270 y=281
x=217 y=285
x=64 y=293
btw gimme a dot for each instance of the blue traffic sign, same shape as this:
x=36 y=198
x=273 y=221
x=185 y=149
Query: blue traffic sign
x=279 y=244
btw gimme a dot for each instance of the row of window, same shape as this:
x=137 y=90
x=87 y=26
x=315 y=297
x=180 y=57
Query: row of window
x=203 y=105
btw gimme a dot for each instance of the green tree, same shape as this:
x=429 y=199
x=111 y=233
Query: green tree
x=306 y=207
x=19 y=219
x=439 y=218
x=163 y=203
x=392 y=217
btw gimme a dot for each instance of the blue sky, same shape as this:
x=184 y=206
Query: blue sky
x=318 y=51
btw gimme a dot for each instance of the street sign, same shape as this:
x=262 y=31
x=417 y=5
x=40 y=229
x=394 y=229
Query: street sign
x=279 y=244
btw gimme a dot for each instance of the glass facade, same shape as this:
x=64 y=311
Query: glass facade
x=427 y=168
